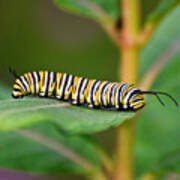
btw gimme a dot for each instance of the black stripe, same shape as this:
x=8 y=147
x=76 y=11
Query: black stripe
x=85 y=86
x=34 y=83
x=38 y=76
x=47 y=85
x=102 y=91
x=54 y=77
x=92 y=92
x=72 y=82
x=119 y=104
x=55 y=81
x=50 y=79
x=17 y=96
x=26 y=81
x=111 y=91
x=38 y=79
x=79 y=90
x=137 y=100
x=16 y=90
x=65 y=84
x=61 y=78
x=134 y=92
x=23 y=84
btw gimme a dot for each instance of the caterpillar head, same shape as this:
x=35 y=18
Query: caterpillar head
x=18 y=87
x=132 y=99
x=18 y=91
x=136 y=101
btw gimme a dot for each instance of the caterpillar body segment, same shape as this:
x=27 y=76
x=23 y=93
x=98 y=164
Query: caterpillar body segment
x=78 y=90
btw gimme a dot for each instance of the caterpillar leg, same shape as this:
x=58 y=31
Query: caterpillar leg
x=74 y=102
x=90 y=105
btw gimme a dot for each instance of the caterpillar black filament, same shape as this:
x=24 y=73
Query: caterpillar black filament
x=81 y=90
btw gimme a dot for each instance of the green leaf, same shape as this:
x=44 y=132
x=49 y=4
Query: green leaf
x=23 y=153
x=165 y=6
x=166 y=34
x=5 y=92
x=169 y=163
x=158 y=127
x=96 y=9
x=73 y=119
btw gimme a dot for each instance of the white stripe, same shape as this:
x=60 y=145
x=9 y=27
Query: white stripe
x=128 y=95
x=116 y=96
x=25 y=83
x=113 y=92
x=90 y=89
x=133 y=104
x=51 y=81
x=83 y=88
x=123 y=88
x=44 y=84
x=95 y=90
x=31 y=79
x=107 y=86
x=77 y=88
x=21 y=85
x=109 y=93
x=36 y=81
x=133 y=96
x=62 y=85
x=69 y=84
x=101 y=90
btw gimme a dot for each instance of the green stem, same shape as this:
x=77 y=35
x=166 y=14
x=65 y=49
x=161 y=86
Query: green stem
x=148 y=177
x=128 y=69
x=98 y=175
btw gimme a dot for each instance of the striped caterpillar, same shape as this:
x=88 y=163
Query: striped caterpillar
x=79 y=90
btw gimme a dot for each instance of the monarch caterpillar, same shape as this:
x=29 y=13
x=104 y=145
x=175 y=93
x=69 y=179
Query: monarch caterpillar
x=79 y=90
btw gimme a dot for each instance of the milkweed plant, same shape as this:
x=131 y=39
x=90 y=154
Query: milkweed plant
x=55 y=137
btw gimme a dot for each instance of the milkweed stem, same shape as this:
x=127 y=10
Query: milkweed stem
x=128 y=73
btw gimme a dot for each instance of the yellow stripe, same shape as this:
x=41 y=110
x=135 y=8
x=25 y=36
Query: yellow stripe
x=27 y=77
x=82 y=98
x=107 y=93
x=76 y=80
x=30 y=84
x=68 y=93
x=97 y=94
x=17 y=82
x=139 y=96
x=50 y=92
x=86 y=93
x=138 y=105
x=17 y=86
x=58 y=80
x=15 y=93
x=37 y=83
x=69 y=90
x=41 y=75
x=115 y=103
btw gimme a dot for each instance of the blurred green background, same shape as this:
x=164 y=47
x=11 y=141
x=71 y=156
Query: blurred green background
x=36 y=35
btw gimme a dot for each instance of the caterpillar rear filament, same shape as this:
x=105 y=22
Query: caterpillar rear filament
x=79 y=90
